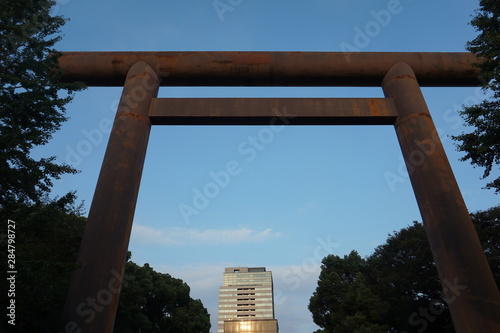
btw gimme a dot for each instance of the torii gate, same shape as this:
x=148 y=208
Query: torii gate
x=466 y=278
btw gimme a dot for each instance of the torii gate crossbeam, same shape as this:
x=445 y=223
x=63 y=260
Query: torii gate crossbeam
x=263 y=69
x=468 y=284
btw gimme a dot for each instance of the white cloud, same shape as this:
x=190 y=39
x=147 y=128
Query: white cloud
x=145 y=234
x=186 y=236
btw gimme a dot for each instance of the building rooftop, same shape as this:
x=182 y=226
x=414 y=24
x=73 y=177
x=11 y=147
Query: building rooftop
x=244 y=269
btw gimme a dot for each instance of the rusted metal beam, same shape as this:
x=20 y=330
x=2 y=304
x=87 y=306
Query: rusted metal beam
x=95 y=286
x=270 y=68
x=266 y=111
x=466 y=278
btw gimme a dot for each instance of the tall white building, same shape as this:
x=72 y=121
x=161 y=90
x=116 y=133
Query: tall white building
x=246 y=302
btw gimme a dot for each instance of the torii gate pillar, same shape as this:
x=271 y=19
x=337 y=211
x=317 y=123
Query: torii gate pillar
x=95 y=286
x=468 y=287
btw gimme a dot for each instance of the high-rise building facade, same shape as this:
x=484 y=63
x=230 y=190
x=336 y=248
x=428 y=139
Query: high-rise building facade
x=246 y=302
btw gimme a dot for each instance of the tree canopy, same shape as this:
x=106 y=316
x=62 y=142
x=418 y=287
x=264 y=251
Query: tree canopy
x=32 y=107
x=32 y=98
x=343 y=302
x=47 y=238
x=153 y=302
x=397 y=288
x=482 y=145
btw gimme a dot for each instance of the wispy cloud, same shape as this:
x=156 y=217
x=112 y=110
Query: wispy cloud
x=186 y=236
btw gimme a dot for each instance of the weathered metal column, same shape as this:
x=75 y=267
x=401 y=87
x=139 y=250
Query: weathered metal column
x=466 y=278
x=95 y=287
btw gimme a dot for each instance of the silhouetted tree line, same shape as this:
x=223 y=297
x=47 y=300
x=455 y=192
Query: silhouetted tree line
x=397 y=288
x=40 y=236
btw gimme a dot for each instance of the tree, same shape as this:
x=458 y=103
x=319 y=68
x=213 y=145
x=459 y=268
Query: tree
x=399 y=282
x=32 y=108
x=403 y=271
x=342 y=301
x=153 y=302
x=482 y=145
x=47 y=238
x=487 y=224
x=32 y=98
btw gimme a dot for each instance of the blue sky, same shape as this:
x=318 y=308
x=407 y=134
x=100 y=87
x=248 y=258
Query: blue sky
x=309 y=191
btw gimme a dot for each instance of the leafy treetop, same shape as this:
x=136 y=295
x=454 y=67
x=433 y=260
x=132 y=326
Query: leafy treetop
x=482 y=145
x=32 y=98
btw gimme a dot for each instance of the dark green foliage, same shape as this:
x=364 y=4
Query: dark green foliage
x=152 y=302
x=487 y=225
x=397 y=288
x=487 y=22
x=404 y=272
x=32 y=98
x=342 y=301
x=32 y=107
x=47 y=238
x=482 y=145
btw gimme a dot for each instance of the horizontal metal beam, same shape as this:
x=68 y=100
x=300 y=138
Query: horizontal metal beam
x=270 y=68
x=272 y=111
